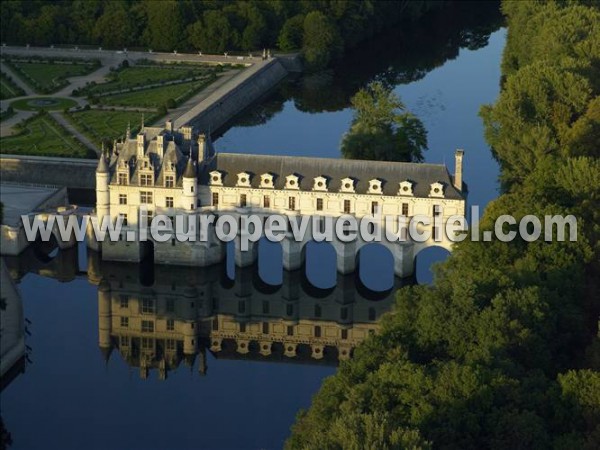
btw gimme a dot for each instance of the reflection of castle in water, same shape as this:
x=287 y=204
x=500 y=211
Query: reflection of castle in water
x=187 y=311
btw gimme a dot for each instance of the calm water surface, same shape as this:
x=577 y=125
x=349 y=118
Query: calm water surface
x=72 y=396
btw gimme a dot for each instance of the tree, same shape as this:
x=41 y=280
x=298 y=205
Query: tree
x=213 y=33
x=381 y=128
x=113 y=27
x=290 y=37
x=321 y=42
x=164 y=30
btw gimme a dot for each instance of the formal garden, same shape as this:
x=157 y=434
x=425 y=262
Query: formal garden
x=46 y=76
x=41 y=135
x=107 y=125
x=8 y=88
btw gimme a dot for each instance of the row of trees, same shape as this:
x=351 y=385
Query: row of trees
x=502 y=351
x=322 y=29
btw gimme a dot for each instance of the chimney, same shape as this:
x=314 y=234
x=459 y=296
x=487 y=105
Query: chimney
x=160 y=144
x=201 y=148
x=458 y=169
x=141 y=145
x=169 y=126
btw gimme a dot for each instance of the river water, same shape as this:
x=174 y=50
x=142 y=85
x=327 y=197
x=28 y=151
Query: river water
x=77 y=394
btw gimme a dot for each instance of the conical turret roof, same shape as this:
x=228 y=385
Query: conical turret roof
x=190 y=170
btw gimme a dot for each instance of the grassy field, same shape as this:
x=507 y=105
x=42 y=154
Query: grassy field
x=42 y=136
x=47 y=103
x=100 y=125
x=8 y=88
x=130 y=77
x=48 y=77
x=156 y=97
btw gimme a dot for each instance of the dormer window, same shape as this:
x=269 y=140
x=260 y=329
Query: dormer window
x=375 y=186
x=347 y=185
x=437 y=190
x=266 y=180
x=320 y=184
x=216 y=178
x=243 y=179
x=406 y=188
x=292 y=182
x=146 y=179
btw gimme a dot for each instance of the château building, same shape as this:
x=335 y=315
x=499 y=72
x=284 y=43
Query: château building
x=178 y=172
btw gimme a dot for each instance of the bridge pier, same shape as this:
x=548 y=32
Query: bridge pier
x=292 y=253
x=346 y=256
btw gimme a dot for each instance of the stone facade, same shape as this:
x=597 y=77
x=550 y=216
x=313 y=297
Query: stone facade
x=178 y=172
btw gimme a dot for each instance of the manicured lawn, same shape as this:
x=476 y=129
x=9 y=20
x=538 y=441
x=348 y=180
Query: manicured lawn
x=42 y=136
x=8 y=88
x=143 y=76
x=47 y=103
x=99 y=124
x=156 y=97
x=49 y=77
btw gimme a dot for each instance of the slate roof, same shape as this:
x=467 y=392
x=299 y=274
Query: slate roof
x=422 y=175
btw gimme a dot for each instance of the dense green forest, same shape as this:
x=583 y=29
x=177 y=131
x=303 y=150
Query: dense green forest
x=502 y=351
x=322 y=29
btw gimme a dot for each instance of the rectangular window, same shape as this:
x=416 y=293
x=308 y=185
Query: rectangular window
x=122 y=178
x=405 y=209
x=170 y=344
x=344 y=334
x=124 y=341
x=292 y=203
x=145 y=197
x=266 y=201
x=437 y=210
x=265 y=327
x=290 y=330
x=215 y=323
x=169 y=181
x=122 y=199
x=243 y=200
x=147 y=343
x=147 y=326
x=124 y=322
x=242 y=327
x=319 y=204
x=374 y=207
x=148 y=306
x=317 y=331
x=169 y=202
x=123 y=219
x=124 y=301
x=346 y=206
x=215 y=199
x=170 y=325
x=146 y=179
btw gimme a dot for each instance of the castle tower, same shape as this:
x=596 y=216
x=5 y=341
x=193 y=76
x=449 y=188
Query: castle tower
x=190 y=187
x=102 y=194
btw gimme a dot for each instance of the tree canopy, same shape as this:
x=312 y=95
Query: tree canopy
x=321 y=30
x=382 y=129
x=502 y=350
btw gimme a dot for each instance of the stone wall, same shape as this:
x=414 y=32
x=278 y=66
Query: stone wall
x=69 y=172
x=234 y=96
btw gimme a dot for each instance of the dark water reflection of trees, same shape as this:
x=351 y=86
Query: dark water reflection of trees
x=400 y=56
